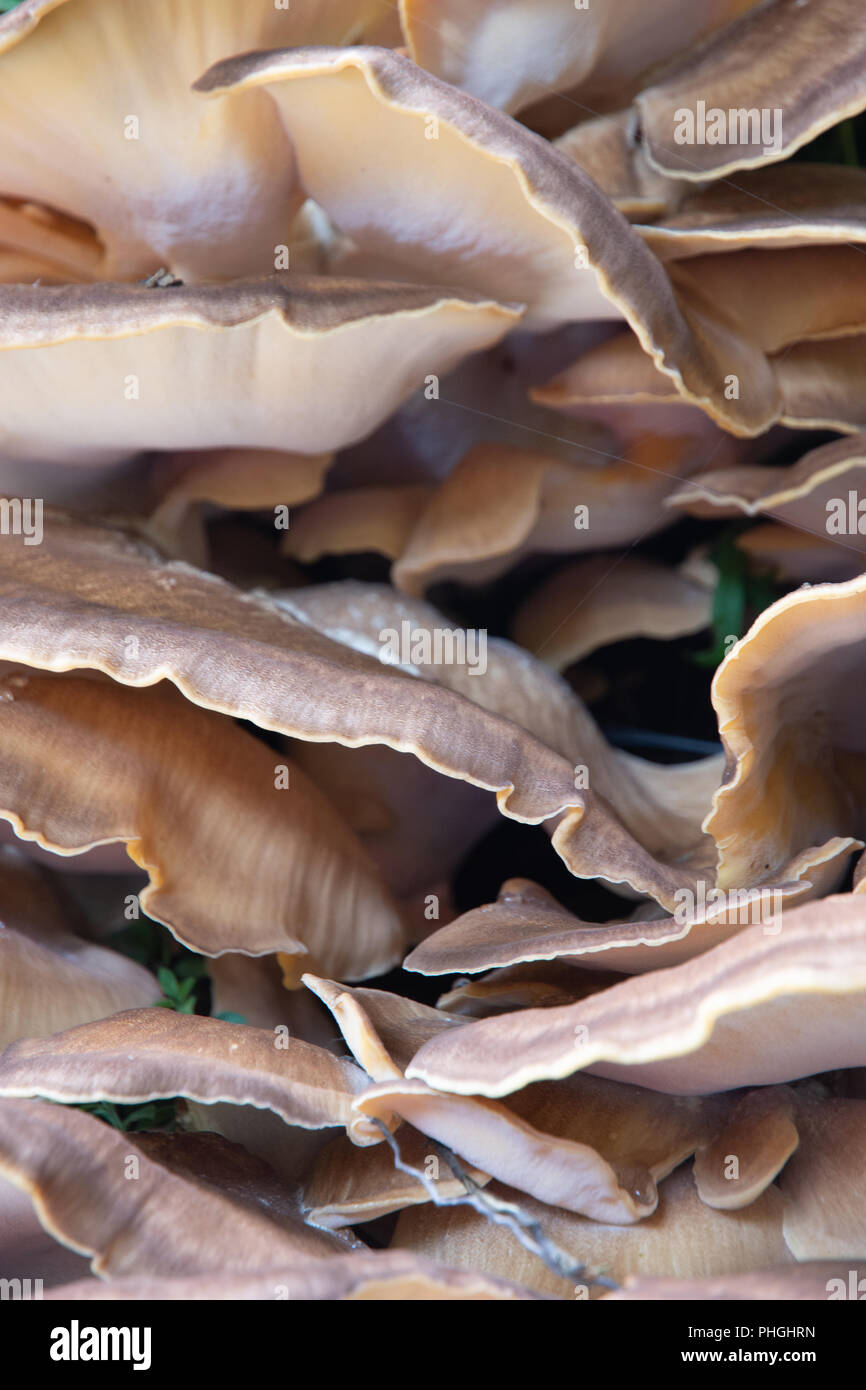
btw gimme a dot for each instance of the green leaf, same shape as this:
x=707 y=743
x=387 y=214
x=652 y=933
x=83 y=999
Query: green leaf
x=178 y=970
x=739 y=594
x=156 y=1114
x=729 y=599
x=167 y=982
x=103 y=1110
x=177 y=994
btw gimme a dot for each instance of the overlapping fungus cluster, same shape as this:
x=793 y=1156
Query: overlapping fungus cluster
x=398 y=404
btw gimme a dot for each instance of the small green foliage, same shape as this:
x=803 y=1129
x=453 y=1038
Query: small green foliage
x=740 y=593
x=177 y=994
x=155 y=1114
x=729 y=599
x=182 y=975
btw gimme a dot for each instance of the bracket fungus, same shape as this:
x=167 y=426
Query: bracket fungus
x=432 y=650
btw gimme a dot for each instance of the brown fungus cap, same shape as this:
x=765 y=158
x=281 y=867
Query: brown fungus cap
x=609 y=598
x=813 y=496
x=779 y=56
x=779 y=1000
x=130 y=149
x=512 y=53
x=183 y=789
x=762 y=338
x=502 y=503
x=557 y=244
x=608 y=149
x=129 y=368
x=682 y=1239
x=527 y=925
x=150 y=1054
x=52 y=977
x=222 y=1211
x=232 y=479
x=771 y=207
x=584 y=1145
x=794 y=766
x=356 y=520
x=366 y=1276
